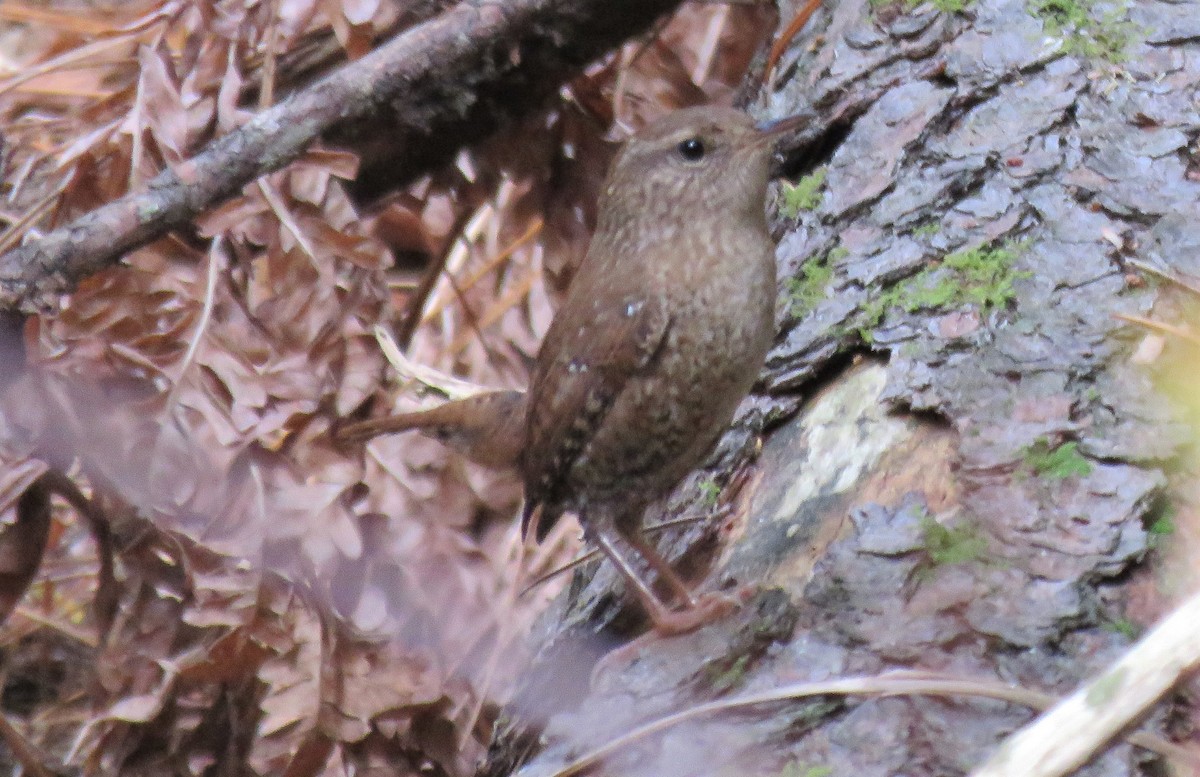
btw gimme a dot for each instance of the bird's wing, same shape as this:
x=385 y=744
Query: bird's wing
x=586 y=361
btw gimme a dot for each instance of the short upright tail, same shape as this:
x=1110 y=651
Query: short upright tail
x=488 y=428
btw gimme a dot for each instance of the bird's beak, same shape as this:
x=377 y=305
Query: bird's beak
x=778 y=133
x=777 y=128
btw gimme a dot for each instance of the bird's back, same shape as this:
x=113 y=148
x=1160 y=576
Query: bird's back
x=666 y=324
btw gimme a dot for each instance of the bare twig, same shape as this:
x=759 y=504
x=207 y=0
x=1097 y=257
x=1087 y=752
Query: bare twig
x=453 y=76
x=1079 y=726
x=26 y=541
x=22 y=545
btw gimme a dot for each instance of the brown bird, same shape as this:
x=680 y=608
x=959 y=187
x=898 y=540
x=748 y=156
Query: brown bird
x=662 y=334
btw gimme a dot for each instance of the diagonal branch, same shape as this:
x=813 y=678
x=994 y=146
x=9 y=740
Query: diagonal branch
x=450 y=78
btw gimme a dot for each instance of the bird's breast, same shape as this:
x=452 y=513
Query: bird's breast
x=723 y=302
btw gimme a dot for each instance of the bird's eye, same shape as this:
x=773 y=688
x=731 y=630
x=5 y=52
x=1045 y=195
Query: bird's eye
x=692 y=149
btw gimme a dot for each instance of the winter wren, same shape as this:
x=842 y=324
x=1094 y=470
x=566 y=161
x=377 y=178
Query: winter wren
x=662 y=334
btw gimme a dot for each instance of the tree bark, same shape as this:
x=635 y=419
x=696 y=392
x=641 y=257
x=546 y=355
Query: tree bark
x=961 y=458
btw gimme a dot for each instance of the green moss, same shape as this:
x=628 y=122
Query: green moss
x=952 y=544
x=1162 y=527
x=709 y=492
x=950 y=6
x=797 y=769
x=945 y=6
x=805 y=194
x=1057 y=463
x=807 y=291
x=1123 y=626
x=724 y=678
x=1060 y=14
x=1084 y=34
x=980 y=276
x=929 y=293
x=987 y=274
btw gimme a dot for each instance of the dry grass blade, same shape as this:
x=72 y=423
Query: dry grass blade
x=61 y=625
x=502 y=256
x=1080 y=725
x=17 y=229
x=414 y=314
x=505 y=622
x=32 y=761
x=215 y=262
x=562 y=569
x=266 y=96
x=591 y=554
x=457 y=255
x=87 y=55
x=59 y=20
x=889 y=684
x=709 y=45
x=1164 y=274
x=513 y=297
x=409 y=371
x=285 y=217
x=785 y=39
x=1182 y=333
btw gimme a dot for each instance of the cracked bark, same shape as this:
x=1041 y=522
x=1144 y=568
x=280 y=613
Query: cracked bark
x=900 y=514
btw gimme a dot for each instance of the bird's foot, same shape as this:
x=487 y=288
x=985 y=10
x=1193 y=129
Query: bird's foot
x=707 y=608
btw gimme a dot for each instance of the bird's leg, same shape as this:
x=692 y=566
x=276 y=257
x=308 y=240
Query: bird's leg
x=610 y=542
x=613 y=542
x=663 y=567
